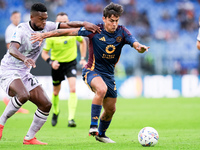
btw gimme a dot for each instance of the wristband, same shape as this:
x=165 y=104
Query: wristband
x=82 y=58
x=49 y=61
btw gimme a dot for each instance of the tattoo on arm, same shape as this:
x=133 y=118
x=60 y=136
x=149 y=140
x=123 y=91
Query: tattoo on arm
x=75 y=33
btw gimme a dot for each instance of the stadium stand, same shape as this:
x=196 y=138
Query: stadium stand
x=169 y=27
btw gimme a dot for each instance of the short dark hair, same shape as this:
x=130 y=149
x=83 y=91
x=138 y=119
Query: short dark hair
x=113 y=9
x=38 y=7
x=15 y=12
x=61 y=14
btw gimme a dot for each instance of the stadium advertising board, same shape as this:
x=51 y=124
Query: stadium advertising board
x=155 y=86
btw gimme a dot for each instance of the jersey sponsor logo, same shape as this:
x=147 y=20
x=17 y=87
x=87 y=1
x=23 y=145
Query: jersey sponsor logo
x=95 y=74
x=102 y=39
x=108 y=56
x=119 y=39
x=110 y=49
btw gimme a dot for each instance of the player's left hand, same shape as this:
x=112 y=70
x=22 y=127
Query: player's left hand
x=91 y=27
x=29 y=62
x=142 y=48
x=82 y=62
x=36 y=37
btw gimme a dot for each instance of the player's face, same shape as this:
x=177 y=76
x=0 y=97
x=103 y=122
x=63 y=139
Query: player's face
x=111 y=23
x=15 y=18
x=38 y=20
x=62 y=19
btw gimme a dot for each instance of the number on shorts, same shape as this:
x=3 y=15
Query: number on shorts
x=33 y=80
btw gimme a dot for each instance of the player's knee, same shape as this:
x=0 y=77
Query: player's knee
x=102 y=91
x=47 y=106
x=112 y=110
x=55 y=93
x=72 y=90
x=23 y=96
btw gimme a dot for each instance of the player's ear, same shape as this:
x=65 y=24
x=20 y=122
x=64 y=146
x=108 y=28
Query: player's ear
x=31 y=16
x=104 y=19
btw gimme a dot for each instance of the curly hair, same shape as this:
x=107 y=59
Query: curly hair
x=113 y=9
x=38 y=7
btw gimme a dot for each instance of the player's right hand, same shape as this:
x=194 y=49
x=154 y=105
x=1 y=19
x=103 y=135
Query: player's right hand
x=55 y=65
x=91 y=27
x=29 y=62
x=36 y=37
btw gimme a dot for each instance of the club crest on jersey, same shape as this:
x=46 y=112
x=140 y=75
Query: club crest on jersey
x=119 y=39
x=110 y=49
x=102 y=39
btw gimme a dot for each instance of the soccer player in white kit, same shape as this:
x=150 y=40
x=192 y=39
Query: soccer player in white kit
x=15 y=77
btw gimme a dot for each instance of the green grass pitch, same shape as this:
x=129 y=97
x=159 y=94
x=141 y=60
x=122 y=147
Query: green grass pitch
x=177 y=121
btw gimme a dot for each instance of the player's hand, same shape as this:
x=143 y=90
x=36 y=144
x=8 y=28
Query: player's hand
x=91 y=27
x=36 y=37
x=29 y=62
x=83 y=62
x=55 y=65
x=142 y=48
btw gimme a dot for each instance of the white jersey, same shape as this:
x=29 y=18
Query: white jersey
x=9 y=32
x=22 y=35
x=198 y=37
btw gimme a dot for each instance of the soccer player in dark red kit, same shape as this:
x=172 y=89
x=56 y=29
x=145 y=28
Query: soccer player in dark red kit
x=104 y=53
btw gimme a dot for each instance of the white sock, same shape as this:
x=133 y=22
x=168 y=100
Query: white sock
x=39 y=119
x=12 y=107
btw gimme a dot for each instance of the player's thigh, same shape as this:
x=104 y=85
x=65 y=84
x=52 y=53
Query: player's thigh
x=40 y=99
x=12 y=84
x=94 y=80
x=98 y=84
x=17 y=88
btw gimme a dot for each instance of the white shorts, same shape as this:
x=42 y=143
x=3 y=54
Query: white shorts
x=7 y=76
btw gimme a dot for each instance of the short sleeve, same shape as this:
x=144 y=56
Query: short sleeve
x=198 y=36
x=129 y=39
x=84 y=32
x=48 y=44
x=52 y=26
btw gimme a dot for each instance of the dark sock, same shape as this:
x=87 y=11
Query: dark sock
x=95 y=113
x=103 y=126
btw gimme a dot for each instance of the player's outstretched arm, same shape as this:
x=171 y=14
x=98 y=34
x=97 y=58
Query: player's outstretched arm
x=140 y=48
x=59 y=32
x=77 y=24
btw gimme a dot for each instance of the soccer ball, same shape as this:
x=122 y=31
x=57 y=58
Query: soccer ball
x=148 y=136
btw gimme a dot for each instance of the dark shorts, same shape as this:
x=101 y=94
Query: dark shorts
x=66 y=69
x=88 y=75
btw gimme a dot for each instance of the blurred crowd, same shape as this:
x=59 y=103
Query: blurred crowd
x=169 y=27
